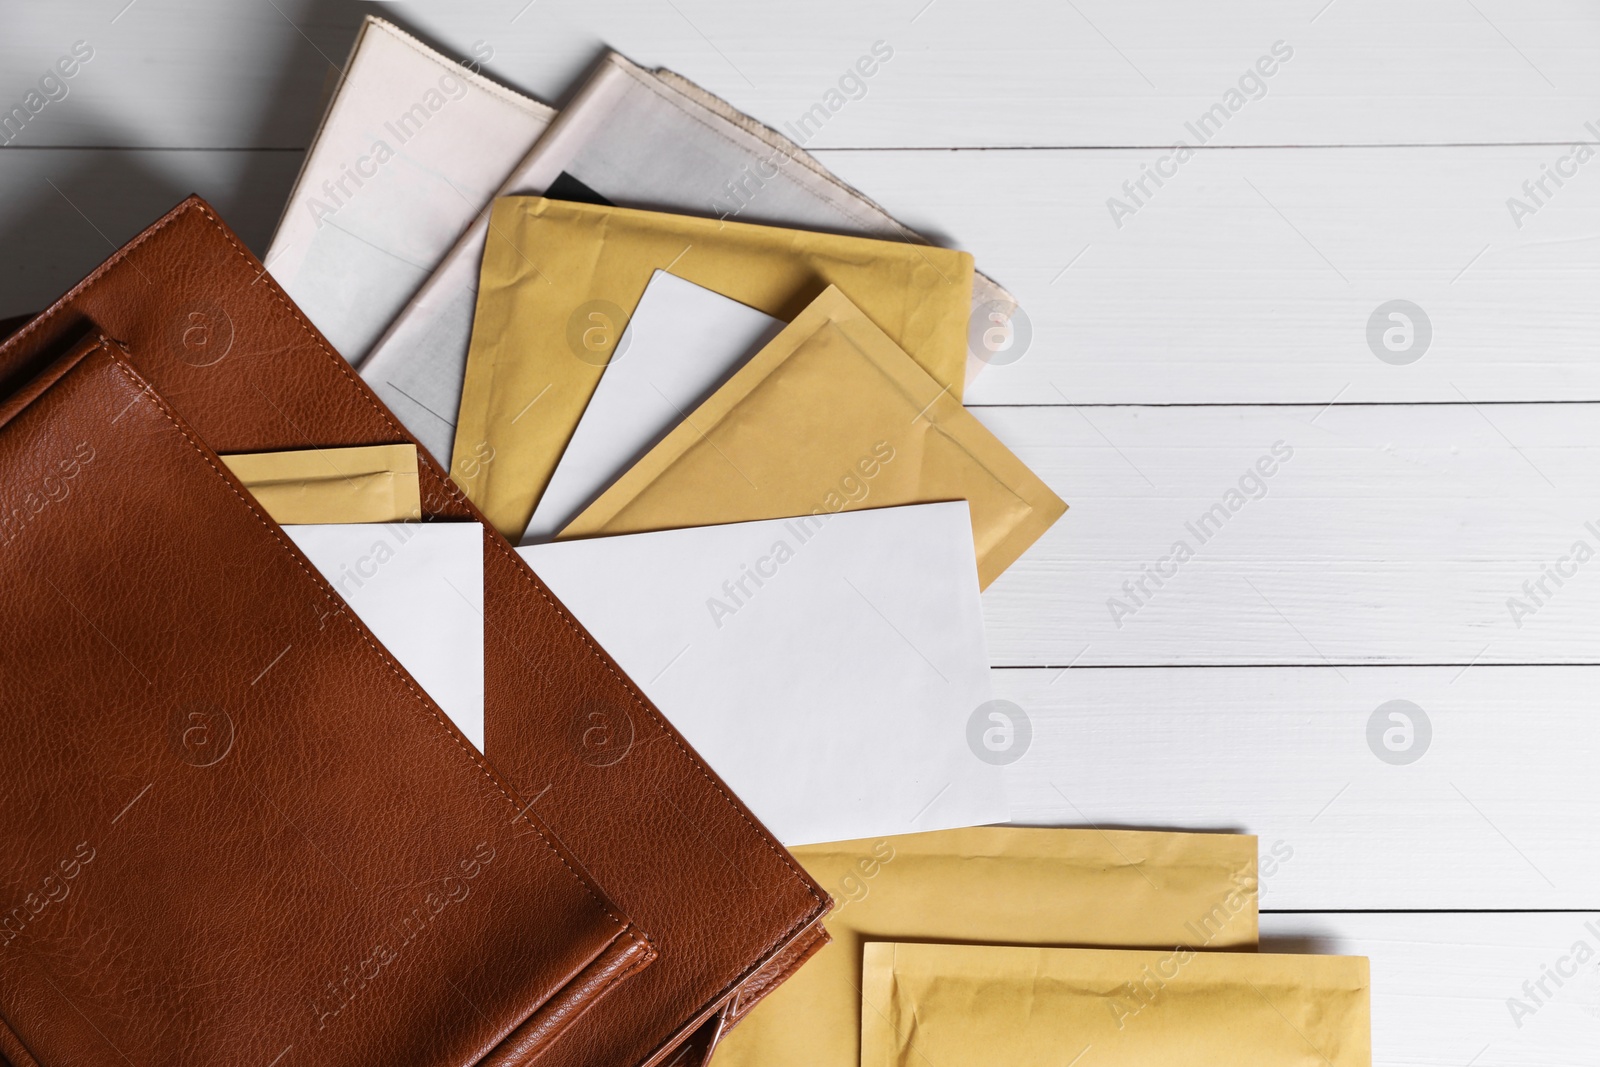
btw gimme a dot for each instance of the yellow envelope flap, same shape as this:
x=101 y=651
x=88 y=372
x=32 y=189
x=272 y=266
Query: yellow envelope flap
x=830 y=416
x=559 y=281
x=367 y=483
x=975 y=1005
x=1002 y=885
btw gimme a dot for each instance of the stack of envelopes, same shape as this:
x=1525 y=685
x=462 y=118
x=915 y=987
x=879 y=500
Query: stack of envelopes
x=306 y=763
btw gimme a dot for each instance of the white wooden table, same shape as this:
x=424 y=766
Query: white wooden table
x=1226 y=314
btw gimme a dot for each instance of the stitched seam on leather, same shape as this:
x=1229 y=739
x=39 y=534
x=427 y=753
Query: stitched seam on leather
x=505 y=549
x=145 y=392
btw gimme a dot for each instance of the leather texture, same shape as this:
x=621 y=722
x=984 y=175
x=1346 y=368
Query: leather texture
x=679 y=854
x=235 y=830
x=754 y=989
x=772 y=975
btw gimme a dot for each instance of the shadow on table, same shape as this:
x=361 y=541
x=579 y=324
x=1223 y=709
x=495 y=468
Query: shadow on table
x=70 y=208
x=1300 y=945
x=1141 y=827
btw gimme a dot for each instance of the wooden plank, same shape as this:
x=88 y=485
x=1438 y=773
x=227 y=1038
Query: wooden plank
x=1441 y=984
x=1392 y=535
x=65 y=210
x=1488 y=816
x=1207 y=295
x=1252 y=275
x=964 y=72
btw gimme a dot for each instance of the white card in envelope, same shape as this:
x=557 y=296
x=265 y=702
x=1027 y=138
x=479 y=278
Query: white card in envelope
x=826 y=667
x=409 y=152
x=682 y=341
x=419 y=589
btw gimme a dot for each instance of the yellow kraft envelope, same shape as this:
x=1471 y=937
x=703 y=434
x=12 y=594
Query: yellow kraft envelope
x=830 y=416
x=1005 y=885
x=976 y=1005
x=370 y=483
x=559 y=281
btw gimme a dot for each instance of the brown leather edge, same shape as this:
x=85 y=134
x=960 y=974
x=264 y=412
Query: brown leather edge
x=695 y=1049
x=702 y=1045
x=12 y=1051
x=13 y=405
x=695 y=1045
x=625 y=958
x=7 y=328
x=775 y=973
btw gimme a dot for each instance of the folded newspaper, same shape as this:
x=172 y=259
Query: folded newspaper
x=410 y=150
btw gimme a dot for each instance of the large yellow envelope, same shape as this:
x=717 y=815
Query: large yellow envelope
x=559 y=281
x=1002 y=885
x=368 y=483
x=977 y=1005
x=830 y=416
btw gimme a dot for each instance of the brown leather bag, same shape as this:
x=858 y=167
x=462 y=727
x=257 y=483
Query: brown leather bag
x=727 y=908
x=242 y=832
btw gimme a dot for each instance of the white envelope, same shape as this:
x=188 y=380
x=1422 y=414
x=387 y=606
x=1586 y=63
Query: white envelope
x=410 y=150
x=682 y=341
x=827 y=668
x=637 y=138
x=419 y=589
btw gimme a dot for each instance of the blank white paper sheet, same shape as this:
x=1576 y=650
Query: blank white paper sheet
x=681 y=342
x=826 y=667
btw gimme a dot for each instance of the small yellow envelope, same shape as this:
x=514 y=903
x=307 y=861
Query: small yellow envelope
x=560 y=280
x=976 y=1005
x=830 y=416
x=370 y=483
x=1004 y=885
